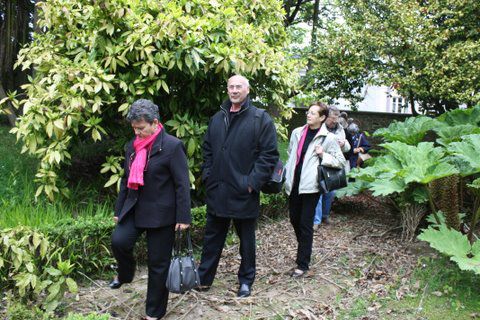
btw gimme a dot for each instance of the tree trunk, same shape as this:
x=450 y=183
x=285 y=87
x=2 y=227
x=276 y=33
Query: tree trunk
x=315 y=20
x=412 y=106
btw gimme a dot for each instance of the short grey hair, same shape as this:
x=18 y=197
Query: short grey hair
x=333 y=110
x=143 y=109
x=353 y=128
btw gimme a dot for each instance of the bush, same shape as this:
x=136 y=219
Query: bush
x=85 y=242
x=19 y=311
x=32 y=269
x=273 y=205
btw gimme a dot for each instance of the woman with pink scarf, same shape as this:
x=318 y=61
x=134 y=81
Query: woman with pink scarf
x=154 y=198
x=309 y=146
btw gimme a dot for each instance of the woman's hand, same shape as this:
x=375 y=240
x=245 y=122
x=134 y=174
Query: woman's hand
x=181 y=226
x=319 y=150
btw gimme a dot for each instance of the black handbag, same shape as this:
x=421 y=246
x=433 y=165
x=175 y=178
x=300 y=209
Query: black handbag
x=275 y=184
x=330 y=179
x=183 y=272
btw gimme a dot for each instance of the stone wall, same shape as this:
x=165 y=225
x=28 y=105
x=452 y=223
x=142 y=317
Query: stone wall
x=368 y=121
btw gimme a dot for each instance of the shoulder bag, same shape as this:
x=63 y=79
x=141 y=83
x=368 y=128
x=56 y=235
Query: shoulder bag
x=183 y=273
x=329 y=178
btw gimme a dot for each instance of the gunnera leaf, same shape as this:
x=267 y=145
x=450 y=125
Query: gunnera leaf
x=411 y=131
x=467 y=151
x=447 y=241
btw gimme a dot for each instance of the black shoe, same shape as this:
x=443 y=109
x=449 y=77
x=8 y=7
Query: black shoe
x=326 y=220
x=115 y=284
x=244 y=291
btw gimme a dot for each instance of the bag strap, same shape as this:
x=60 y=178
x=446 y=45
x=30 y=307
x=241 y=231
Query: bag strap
x=359 y=140
x=256 y=125
x=321 y=144
x=177 y=248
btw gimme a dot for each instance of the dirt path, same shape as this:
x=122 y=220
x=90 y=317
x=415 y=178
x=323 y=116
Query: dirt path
x=358 y=255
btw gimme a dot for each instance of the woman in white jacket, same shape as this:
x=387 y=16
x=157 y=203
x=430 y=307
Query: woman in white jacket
x=309 y=144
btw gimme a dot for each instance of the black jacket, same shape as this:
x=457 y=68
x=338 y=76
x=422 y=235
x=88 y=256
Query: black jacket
x=165 y=197
x=236 y=157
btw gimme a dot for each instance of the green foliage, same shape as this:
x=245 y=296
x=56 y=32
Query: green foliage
x=467 y=152
x=31 y=267
x=403 y=165
x=273 y=205
x=199 y=216
x=411 y=131
x=19 y=311
x=455 y=245
x=92 y=316
x=85 y=241
x=191 y=132
x=95 y=59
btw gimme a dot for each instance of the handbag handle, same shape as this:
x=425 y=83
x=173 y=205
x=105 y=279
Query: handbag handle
x=359 y=140
x=178 y=242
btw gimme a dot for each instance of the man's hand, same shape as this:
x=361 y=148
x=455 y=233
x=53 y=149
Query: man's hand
x=181 y=226
x=341 y=143
x=115 y=219
x=250 y=189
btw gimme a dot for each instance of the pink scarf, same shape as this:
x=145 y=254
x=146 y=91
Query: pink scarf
x=135 y=178
x=300 y=144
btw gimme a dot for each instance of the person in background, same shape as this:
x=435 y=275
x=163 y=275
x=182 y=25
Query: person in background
x=360 y=144
x=322 y=211
x=154 y=198
x=309 y=145
x=235 y=166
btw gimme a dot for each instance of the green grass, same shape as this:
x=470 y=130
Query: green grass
x=18 y=205
x=444 y=292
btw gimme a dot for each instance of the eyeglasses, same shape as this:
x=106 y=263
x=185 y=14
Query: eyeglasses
x=236 y=86
x=132 y=158
x=313 y=113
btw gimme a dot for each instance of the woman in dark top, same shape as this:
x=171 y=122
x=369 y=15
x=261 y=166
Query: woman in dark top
x=359 y=144
x=154 y=198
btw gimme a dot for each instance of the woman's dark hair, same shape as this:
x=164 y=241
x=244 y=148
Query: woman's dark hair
x=143 y=109
x=322 y=108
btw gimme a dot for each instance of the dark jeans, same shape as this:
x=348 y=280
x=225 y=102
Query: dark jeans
x=216 y=231
x=302 y=212
x=159 y=244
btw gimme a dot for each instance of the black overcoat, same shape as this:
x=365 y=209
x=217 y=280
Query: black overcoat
x=236 y=157
x=165 y=197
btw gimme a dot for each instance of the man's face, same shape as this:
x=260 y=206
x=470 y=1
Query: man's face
x=332 y=121
x=237 y=89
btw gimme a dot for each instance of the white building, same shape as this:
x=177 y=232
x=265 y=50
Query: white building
x=379 y=99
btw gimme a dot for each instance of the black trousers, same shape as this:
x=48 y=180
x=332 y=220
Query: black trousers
x=213 y=242
x=159 y=244
x=302 y=212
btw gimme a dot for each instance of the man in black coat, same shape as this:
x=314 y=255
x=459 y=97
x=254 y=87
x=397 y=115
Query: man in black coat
x=240 y=152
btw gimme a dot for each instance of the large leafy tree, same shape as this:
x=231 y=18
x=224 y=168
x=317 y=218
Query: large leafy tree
x=428 y=50
x=99 y=56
